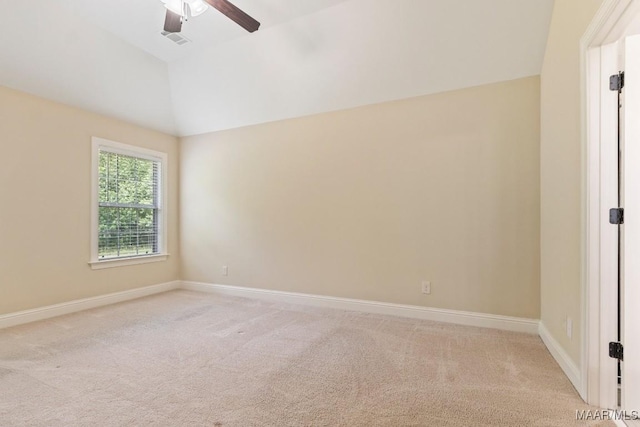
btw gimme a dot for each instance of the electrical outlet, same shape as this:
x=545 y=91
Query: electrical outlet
x=426 y=287
x=569 y=324
x=225 y=270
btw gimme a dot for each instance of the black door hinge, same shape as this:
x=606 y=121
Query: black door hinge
x=616 y=82
x=616 y=216
x=616 y=351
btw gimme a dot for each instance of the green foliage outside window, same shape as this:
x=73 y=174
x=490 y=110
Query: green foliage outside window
x=128 y=206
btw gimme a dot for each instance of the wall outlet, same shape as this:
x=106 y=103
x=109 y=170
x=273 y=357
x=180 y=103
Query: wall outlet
x=225 y=270
x=426 y=287
x=569 y=325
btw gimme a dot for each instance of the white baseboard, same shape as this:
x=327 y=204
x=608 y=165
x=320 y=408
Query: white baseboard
x=42 y=313
x=566 y=363
x=435 y=314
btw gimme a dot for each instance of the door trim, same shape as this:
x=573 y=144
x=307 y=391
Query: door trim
x=598 y=57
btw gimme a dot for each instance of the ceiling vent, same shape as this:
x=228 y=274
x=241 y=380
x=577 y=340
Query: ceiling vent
x=176 y=38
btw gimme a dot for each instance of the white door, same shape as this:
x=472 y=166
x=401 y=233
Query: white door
x=630 y=243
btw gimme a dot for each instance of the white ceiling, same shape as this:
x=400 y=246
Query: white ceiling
x=140 y=22
x=309 y=56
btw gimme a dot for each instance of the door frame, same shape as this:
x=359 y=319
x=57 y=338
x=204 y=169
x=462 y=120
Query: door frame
x=599 y=58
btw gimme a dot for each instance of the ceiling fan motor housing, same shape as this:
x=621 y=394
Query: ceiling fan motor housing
x=179 y=10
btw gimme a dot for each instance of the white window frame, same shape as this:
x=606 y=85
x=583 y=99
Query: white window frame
x=128 y=150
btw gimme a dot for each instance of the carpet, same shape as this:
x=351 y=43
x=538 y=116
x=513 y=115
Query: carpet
x=185 y=358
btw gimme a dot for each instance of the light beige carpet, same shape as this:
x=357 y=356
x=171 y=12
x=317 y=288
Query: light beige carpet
x=192 y=359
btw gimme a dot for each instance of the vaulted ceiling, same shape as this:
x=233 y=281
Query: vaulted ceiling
x=309 y=56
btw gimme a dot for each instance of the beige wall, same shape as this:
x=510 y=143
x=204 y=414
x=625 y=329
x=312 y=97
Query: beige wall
x=366 y=203
x=45 y=204
x=560 y=165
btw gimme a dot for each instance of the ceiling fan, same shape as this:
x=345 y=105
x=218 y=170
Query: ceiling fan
x=179 y=10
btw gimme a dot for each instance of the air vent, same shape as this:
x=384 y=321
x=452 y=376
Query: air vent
x=176 y=38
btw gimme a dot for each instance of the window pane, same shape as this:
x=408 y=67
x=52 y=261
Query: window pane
x=126 y=180
x=103 y=177
x=107 y=232
x=148 y=185
x=128 y=210
x=112 y=183
x=127 y=232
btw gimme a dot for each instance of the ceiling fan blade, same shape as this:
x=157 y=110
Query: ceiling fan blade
x=172 y=22
x=235 y=14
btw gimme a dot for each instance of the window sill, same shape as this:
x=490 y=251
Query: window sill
x=122 y=262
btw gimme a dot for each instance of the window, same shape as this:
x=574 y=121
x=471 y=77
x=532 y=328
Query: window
x=128 y=209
